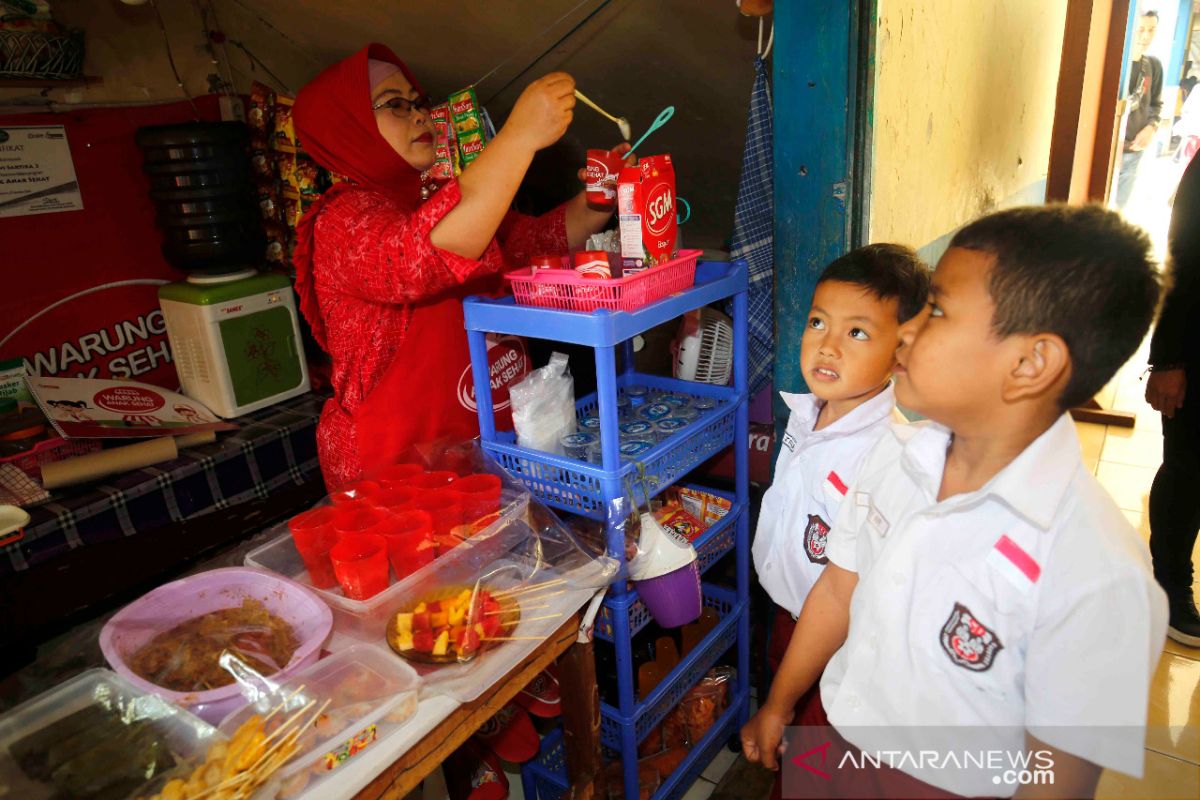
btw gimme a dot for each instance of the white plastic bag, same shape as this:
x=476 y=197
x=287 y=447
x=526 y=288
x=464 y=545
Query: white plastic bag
x=543 y=406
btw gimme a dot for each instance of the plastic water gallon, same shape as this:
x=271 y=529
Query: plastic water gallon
x=235 y=340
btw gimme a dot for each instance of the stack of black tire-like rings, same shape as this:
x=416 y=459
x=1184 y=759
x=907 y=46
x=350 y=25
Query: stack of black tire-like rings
x=201 y=184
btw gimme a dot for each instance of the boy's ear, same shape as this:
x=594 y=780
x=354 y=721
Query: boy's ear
x=1043 y=367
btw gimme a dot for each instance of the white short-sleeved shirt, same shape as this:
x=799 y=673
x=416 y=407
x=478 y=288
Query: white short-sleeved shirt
x=812 y=473
x=1027 y=605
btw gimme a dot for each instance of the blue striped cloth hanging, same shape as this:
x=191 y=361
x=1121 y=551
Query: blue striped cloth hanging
x=754 y=225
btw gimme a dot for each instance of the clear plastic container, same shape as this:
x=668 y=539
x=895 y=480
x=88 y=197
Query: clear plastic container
x=550 y=574
x=676 y=399
x=185 y=737
x=591 y=424
x=162 y=609
x=630 y=449
x=575 y=445
x=665 y=428
x=637 y=429
x=366 y=620
x=653 y=412
x=371 y=694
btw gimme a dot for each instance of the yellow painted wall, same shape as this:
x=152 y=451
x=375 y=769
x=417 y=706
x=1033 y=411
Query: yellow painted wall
x=964 y=106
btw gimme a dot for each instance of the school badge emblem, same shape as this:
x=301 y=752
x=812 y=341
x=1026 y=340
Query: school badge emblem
x=967 y=642
x=815 y=537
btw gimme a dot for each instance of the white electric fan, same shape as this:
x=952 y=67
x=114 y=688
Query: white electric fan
x=704 y=347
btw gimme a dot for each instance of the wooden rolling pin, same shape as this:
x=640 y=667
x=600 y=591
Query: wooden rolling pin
x=118 y=459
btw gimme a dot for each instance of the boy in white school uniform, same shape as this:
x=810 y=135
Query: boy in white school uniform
x=980 y=580
x=846 y=356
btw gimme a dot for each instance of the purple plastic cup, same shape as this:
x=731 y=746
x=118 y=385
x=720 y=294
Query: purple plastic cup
x=673 y=599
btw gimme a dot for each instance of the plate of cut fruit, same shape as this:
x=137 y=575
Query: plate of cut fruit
x=452 y=625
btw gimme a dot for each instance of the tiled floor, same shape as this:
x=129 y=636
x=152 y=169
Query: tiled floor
x=1124 y=461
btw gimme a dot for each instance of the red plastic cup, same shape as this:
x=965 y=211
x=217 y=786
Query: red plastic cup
x=478 y=494
x=398 y=498
x=358 y=490
x=433 y=480
x=314 y=536
x=360 y=521
x=546 y=262
x=603 y=167
x=361 y=565
x=443 y=506
x=398 y=475
x=410 y=542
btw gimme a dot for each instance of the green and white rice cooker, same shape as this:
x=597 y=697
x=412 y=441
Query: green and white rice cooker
x=235 y=340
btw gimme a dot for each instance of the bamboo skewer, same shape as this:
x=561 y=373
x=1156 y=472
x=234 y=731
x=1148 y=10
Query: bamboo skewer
x=282 y=705
x=532 y=619
x=542 y=597
x=510 y=611
x=530 y=588
x=513 y=639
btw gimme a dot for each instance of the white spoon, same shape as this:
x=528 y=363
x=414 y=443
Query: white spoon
x=622 y=123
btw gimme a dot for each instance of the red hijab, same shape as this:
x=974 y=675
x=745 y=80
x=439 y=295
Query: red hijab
x=336 y=126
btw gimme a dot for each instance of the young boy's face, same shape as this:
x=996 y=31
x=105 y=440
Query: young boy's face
x=849 y=344
x=950 y=363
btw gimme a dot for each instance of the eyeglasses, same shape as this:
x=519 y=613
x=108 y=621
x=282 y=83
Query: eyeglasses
x=402 y=107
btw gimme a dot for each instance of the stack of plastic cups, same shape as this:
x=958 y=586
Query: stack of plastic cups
x=637 y=395
x=672 y=399
x=398 y=475
x=636 y=429
x=314 y=536
x=665 y=428
x=577 y=445
x=445 y=510
x=653 y=412
x=478 y=496
x=433 y=480
x=360 y=563
x=352 y=492
x=394 y=499
x=410 y=542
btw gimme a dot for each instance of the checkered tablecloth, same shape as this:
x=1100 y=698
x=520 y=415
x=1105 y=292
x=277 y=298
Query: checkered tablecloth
x=273 y=447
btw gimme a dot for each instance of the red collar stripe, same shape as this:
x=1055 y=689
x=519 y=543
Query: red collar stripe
x=1019 y=558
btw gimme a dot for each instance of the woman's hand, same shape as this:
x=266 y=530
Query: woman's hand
x=1165 y=391
x=543 y=111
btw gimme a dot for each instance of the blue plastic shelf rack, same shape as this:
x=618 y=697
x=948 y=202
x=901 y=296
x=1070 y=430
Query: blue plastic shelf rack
x=545 y=776
x=595 y=490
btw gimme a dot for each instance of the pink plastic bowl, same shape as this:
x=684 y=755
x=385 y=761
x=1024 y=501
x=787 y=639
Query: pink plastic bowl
x=167 y=606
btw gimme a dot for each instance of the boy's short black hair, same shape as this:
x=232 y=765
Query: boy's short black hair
x=887 y=270
x=1080 y=272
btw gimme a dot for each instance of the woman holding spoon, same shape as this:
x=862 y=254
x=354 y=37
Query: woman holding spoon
x=381 y=271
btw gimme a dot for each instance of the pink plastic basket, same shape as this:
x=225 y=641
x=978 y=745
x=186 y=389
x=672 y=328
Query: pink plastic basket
x=48 y=451
x=566 y=289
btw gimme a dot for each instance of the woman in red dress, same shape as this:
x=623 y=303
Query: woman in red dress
x=381 y=272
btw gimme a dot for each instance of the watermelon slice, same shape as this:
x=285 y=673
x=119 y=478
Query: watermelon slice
x=423 y=641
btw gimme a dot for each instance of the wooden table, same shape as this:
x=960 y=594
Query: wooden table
x=580 y=713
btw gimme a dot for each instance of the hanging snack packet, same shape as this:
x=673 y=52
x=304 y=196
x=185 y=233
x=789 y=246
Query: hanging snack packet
x=445 y=159
x=260 y=115
x=284 y=128
x=468 y=124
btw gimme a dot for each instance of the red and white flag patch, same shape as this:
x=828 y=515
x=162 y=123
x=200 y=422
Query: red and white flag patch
x=1016 y=565
x=835 y=485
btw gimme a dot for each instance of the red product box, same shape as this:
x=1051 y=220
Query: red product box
x=646 y=213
